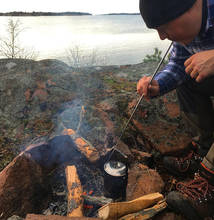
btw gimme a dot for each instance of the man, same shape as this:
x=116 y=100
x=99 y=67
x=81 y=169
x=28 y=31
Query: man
x=190 y=25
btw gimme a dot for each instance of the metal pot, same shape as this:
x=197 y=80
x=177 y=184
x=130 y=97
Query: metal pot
x=115 y=179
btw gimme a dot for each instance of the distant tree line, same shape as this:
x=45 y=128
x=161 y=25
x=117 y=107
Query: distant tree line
x=123 y=14
x=20 y=13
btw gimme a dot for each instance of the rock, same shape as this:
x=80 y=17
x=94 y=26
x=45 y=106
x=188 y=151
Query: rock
x=142 y=157
x=21 y=187
x=159 y=123
x=142 y=181
x=166 y=215
x=15 y=217
x=38 y=95
x=98 y=68
x=27 y=95
x=122 y=74
x=10 y=65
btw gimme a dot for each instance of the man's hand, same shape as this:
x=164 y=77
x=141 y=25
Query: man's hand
x=200 y=65
x=143 y=87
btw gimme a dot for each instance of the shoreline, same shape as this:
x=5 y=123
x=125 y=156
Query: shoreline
x=24 y=14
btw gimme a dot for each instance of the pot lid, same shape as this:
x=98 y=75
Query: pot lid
x=115 y=168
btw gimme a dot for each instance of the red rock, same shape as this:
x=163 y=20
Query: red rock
x=51 y=83
x=142 y=181
x=27 y=95
x=132 y=104
x=41 y=94
x=124 y=66
x=40 y=85
x=20 y=184
x=163 y=136
x=20 y=131
x=142 y=157
x=105 y=118
x=173 y=109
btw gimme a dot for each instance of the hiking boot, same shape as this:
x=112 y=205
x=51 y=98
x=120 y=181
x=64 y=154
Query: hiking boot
x=187 y=163
x=194 y=199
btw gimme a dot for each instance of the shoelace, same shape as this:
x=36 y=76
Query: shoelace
x=196 y=189
x=187 y=159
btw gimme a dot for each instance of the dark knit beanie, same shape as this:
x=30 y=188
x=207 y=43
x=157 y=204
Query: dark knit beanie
x=158 y=12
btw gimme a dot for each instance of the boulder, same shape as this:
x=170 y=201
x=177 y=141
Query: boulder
x=21 y=187
x=142 y=181
x=166 y=215
x=15 y=217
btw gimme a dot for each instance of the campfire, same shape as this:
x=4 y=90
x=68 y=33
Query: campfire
x=68 y=176
x=80 y=192
x=66 y=155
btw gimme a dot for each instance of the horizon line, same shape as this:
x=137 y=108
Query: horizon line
x=69 y=12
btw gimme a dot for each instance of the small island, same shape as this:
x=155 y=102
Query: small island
x=122 y=14
x=34 y=13
x=20 y=13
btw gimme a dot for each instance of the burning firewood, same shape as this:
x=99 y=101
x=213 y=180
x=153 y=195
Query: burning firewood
x=75 y=201
x=83 y=145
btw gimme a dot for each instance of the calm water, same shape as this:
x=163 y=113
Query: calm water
x=116 y=39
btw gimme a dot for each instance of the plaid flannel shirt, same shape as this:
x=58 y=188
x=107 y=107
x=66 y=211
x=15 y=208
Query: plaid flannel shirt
x=174 y=74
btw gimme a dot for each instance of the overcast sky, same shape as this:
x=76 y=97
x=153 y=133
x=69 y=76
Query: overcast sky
x=91 y=6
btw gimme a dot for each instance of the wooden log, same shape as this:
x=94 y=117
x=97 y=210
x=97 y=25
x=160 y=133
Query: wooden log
x=75 y=201
x=146 y=213
x=55 y=217
x=86 y=148
x=116 y=210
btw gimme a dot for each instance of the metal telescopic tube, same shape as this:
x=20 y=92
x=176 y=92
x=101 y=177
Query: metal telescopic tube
x=153 y=75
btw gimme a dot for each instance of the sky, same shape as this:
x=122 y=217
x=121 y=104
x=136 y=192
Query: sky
x=91 y=6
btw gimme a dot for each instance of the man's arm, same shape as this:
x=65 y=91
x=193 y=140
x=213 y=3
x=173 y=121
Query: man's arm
x=169 y=78
x=173 y=73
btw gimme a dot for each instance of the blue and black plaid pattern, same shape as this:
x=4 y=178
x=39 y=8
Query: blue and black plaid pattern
x=174 y=72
